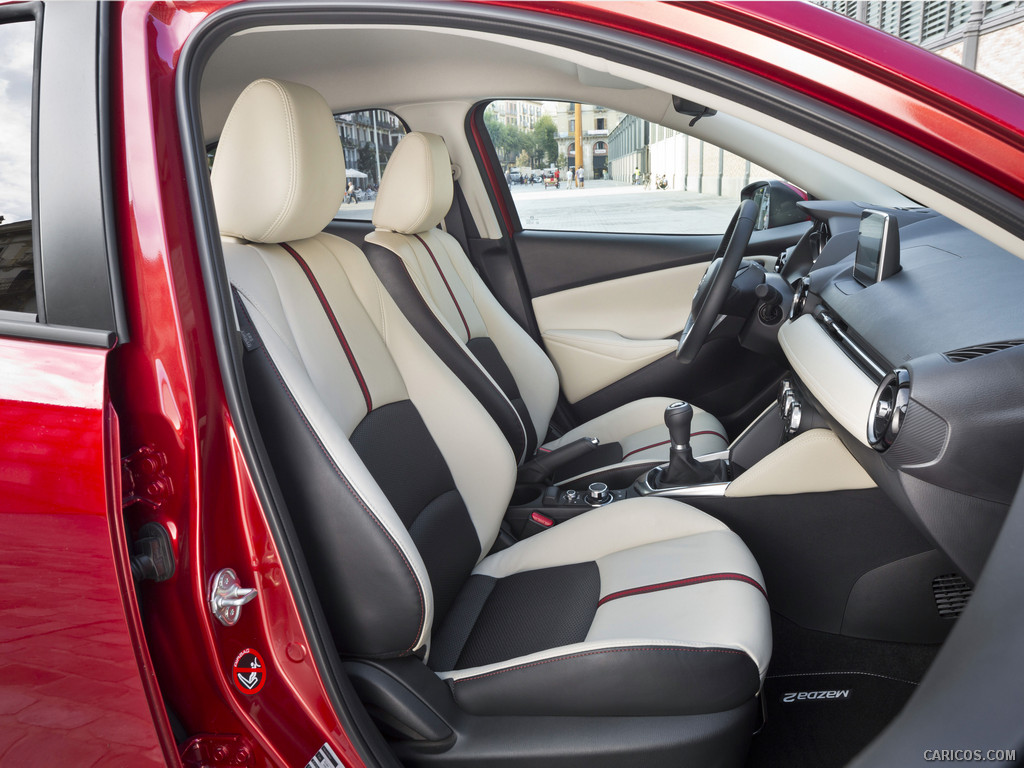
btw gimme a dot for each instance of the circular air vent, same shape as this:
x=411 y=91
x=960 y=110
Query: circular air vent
x=888 y=409
x=799 y=297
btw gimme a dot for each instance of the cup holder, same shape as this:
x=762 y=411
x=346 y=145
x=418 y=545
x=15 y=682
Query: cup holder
x=526 y=494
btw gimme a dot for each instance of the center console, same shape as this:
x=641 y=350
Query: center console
x=536 y=508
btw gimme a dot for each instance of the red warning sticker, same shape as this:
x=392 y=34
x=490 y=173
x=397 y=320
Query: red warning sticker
x=249 y=671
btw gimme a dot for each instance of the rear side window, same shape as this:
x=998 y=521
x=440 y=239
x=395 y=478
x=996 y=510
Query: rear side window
x=369 y=137
x=17 y=270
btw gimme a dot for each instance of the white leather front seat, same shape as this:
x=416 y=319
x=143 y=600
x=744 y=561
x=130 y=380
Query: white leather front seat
x=432 y=279
x=638 y=632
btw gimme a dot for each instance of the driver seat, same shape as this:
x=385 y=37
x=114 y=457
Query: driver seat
x=432 y=280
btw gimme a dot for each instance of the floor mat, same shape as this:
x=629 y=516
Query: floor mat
x=840 y=710
x=823 y=720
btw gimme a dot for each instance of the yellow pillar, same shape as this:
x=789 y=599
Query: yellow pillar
x=579 y=135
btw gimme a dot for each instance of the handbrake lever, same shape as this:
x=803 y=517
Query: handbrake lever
x=542 y=466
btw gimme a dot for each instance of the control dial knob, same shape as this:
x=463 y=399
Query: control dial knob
x=597 y=494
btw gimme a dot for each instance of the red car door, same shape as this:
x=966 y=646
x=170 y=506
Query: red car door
x=70 y=687
x=73 y=675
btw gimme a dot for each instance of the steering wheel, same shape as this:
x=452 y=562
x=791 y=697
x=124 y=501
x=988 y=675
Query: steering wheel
x=714 y=286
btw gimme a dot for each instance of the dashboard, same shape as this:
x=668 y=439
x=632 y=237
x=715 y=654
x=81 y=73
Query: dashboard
x=921 y=374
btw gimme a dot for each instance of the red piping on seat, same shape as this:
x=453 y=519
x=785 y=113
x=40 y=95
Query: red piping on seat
x=334 y=323
x=652 y=445
x=682 y=583
x=450 y=292
x=709 y=432
x=666 y=442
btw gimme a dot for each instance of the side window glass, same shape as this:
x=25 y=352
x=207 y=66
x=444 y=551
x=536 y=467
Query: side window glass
x=369 y=137
x=17 y=270
x=632 y=175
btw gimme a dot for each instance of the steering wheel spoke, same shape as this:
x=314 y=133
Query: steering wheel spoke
x=714 y=286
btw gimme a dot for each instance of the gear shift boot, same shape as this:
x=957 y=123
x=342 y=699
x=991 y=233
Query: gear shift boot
x=682 y=469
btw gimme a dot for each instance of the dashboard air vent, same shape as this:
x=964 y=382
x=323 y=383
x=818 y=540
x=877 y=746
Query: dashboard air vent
x=969 y=353
x=951 y=594
x=889 y=409
x=801 y=289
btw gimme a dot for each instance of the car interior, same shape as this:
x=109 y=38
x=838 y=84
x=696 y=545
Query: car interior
x=744 y=547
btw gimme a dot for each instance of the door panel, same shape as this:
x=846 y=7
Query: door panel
x=609 y=308
x=556 y=261
x=599 y=333
x=609 y=266
x=69 y=679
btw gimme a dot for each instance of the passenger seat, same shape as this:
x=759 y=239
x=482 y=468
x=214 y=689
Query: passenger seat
x=432 y=280
x=635 y=633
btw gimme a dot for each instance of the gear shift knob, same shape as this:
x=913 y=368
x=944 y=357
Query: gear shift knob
x=682 y=469
x=678 y=417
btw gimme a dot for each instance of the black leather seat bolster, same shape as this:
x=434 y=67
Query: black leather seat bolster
x=619 y=681
x=395 y=276
x=374 y=603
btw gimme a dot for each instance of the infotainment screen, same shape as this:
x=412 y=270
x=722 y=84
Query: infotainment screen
x=878 y=248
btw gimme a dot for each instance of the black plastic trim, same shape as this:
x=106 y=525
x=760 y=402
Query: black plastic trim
x=59 y=334
x=35 y=327
x=106 y=153
x=814 y=547
x=559 y=261
x=74 y=234
x=974 y=690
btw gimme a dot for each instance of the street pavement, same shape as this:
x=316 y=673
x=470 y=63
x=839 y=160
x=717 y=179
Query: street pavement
x=606 y=206
x=614 y=206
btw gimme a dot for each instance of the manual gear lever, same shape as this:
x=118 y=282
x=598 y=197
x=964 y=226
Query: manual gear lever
x=682 y=468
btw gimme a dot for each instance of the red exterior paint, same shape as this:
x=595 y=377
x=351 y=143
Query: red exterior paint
x=70 y=691
x=171 y=400
x=84 y=671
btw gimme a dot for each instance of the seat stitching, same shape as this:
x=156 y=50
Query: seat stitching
x=290 y=119
x=827 y=674
x=258 y=306
x=451 y=293
x=677 y=583
x=334 y=322
x=355 y=495
x=463 y=349
x=646 y=447
x=708 y=432
x=593 y=653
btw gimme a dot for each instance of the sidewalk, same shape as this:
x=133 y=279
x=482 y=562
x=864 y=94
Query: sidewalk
x=615 y=206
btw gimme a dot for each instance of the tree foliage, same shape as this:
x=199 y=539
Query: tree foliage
x=538 y=147
x=545 y=134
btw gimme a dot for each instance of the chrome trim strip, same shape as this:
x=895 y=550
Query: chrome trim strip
x=848 y=344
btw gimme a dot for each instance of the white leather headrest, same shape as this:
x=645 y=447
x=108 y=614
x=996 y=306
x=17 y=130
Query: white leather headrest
x=279 y=173
x=416 y=191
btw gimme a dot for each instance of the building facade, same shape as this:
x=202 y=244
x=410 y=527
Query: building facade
x=597 y=123
x=521 y=113
x=680 y=161
x=987 y=37
x=368 y=137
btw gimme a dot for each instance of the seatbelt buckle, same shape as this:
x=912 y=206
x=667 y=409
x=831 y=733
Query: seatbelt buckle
x=542 y=520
